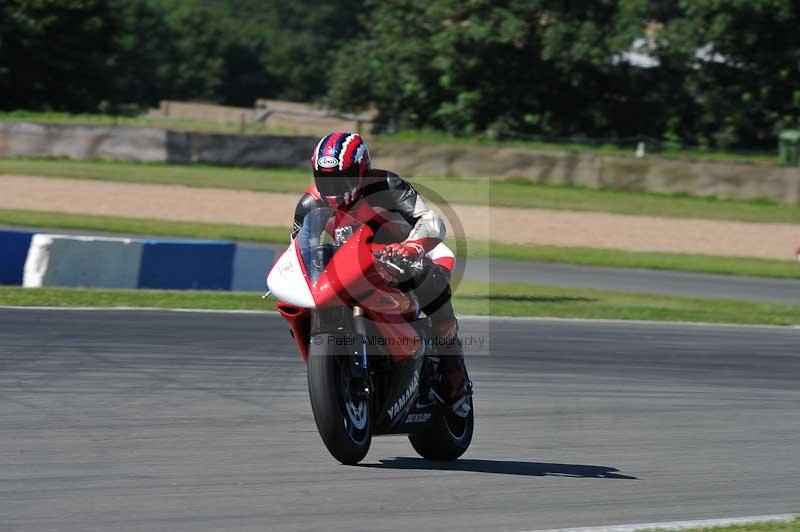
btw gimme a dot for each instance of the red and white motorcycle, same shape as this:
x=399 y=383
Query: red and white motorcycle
x=371 y=362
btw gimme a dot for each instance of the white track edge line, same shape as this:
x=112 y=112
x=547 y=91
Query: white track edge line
x=680 y=525
x=598 y=321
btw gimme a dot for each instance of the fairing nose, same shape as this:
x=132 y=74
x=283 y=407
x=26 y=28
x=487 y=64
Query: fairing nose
x=287 y=281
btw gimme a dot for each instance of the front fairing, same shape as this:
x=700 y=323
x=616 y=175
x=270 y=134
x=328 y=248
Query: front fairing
x=330 y=263
x=287 y=280
x=349 y=276
x=295 y=276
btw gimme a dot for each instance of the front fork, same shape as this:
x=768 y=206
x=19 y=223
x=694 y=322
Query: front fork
x=360 y=384
x=429 y=373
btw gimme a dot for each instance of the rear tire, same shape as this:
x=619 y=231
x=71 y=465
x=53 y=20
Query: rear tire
x=344 y=425
x=446 y=438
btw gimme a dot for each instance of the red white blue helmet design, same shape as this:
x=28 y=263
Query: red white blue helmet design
x=340 y=162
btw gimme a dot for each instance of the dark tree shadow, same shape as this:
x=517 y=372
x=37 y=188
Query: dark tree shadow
x=530 y=299
x=505 y=467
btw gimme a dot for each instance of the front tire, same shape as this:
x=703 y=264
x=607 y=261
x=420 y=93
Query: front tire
x=446 y=438
x=344 y=424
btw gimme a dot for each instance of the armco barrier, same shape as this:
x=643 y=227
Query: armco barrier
x=13 y=252
x=186 y=264
x=250 y=267
x=61 y=260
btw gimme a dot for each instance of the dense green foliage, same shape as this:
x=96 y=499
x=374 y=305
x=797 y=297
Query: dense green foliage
x=56 y=51
x=722 y=73
x=712 y=73
x=85 y=55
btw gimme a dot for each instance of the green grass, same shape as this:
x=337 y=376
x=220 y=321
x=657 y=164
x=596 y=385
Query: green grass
x=286 y=180
x=570 y=255
x=96 y=297
x=471 y=297
x=522 y=194
x=517 y=193
x=518 y=299
x=142 y=226
x=768 y=526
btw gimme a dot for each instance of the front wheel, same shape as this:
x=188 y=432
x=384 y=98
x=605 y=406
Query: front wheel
x=343 y=420
x=446 y=438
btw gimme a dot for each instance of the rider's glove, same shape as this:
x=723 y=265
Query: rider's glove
x=410 y=251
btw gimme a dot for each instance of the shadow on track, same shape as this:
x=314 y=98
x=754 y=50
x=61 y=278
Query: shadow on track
x=505 y=467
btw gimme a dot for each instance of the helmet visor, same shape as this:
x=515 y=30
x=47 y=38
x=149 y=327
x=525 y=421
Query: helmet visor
x=335 y=184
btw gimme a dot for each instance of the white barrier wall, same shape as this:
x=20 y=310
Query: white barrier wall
x=62 y=260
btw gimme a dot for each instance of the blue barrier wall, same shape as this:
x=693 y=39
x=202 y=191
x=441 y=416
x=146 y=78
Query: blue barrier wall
x=187 y=264
x=13 y=252
x=73 y=260
x=250 y=267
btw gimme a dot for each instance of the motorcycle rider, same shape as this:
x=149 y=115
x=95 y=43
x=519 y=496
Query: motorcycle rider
x=345 y=180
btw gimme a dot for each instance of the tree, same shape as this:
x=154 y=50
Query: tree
x=719 y=73
x=540 y=66
x=740 y=64
x=56 y=53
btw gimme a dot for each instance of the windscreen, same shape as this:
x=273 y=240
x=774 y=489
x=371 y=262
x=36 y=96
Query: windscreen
x=323 y=232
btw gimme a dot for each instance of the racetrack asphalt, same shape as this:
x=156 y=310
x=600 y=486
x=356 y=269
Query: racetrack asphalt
x=663 y=282
x=155 y=420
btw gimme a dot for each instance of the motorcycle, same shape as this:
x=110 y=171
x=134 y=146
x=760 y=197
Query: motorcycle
x=371 y=359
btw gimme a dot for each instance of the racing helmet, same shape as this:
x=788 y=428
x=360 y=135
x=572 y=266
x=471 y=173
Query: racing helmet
x=340 y=163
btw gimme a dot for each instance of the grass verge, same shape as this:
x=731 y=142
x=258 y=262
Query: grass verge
x=518 y=299
x=142 y=226
x=471 y=297
x=287 y=180
x=515 y=193
x=767 y=526
x=785 y=269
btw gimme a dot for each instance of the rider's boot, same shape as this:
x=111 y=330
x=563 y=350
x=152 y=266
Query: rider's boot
x=453 y=387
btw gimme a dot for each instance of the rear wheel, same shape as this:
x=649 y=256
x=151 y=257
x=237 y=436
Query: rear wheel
x=343 y=419
x=446 y=438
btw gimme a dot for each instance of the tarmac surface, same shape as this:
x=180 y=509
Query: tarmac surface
x=663 y=282
x=156 y=420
